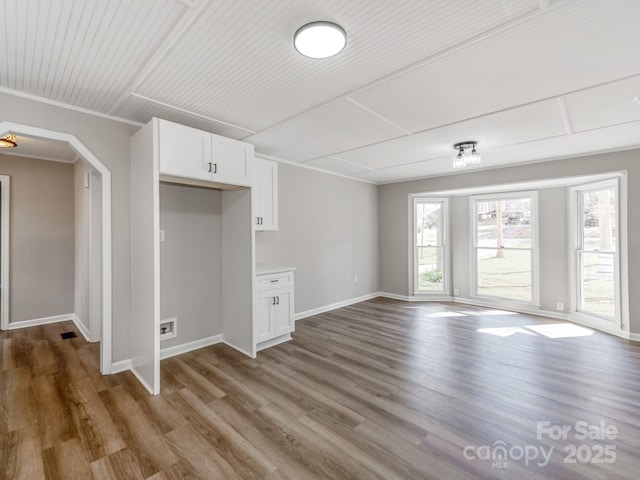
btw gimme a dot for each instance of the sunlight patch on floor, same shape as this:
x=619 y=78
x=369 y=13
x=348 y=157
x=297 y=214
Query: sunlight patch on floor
x=447 y=314
x=561 y=330
x=549 y=330
x=489 y=312
x=504 y=331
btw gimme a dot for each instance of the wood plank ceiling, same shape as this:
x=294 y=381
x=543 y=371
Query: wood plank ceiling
x=528 y=79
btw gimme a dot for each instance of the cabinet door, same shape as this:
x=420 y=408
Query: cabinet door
x=266 y=194
x=184 y=151
x=283 y=312
x=263 y=318
x=232 y=161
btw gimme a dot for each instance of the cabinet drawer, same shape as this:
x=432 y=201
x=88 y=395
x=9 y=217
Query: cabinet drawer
x=274 y=280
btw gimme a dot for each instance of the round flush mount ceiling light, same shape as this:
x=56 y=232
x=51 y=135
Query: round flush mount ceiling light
x=320 y=39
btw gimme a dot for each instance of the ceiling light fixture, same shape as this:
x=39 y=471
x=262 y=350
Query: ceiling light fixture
x=8 y=141
x=320 y=39
x=466 y=154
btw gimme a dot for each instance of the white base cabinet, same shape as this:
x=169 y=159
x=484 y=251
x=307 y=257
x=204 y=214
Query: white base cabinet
x=274 y=307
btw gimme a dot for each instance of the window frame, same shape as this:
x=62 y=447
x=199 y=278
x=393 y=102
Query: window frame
x=535 y=246
x=413 y=258
x=576 y=223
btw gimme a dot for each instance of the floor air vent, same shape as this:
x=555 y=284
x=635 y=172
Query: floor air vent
x=66 y=335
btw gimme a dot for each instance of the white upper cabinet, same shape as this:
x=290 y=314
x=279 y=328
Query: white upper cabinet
x=184 y=151
x=231 y=161
x=266 y=194
x=191 y=153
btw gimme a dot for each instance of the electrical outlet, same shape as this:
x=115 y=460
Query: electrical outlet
x=162 y=235
x=456 y=291
x=560 y=306
x=355 y=279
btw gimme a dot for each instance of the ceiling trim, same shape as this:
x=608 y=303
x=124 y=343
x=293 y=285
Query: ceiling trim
x=566 y=118
x=355 y=164
x=191 y=15
x=55 y=103
x=39 y=157
x=377 y=115
x=512 y=165
x=567 y=181
x=310 y=167
x=425 y=61
x=189 y=112
x=514 y=107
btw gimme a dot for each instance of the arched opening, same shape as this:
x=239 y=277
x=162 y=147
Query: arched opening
x=105 y=241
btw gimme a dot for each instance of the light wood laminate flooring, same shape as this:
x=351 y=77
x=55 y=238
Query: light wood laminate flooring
x=378 y=390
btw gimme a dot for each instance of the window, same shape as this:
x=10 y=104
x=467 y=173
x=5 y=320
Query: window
x=429 y=242
x=504 y=246
x=596 y=249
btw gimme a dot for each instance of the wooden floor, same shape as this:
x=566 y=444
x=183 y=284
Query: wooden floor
x=378 y=390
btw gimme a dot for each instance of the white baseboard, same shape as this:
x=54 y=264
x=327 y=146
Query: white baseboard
x=121 y=366
x=142 y=381
x=241 y=350
x=79 y=325
x=189 y=346
x=511 y=307
x=40 y=321
x=417 y=298
x=395 y=296
x=603 y=327
x=273 y=342
x=333 y=306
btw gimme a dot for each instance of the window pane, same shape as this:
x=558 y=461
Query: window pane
x=429 y=224
x=597 y=284
x=504 y=273
x=504 y=223
x=430 y=268
x=599 y=220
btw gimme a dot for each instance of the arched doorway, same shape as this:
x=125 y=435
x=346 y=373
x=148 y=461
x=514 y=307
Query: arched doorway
x=105 y=174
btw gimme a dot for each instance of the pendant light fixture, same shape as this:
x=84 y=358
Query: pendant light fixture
x=466 y=154
x=320 y=39
x=8 y=141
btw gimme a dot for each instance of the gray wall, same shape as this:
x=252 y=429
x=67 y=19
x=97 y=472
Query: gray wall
x=190 y=261
x=109 y=141
x=41 y=276
x=394 y=232
x=328 y=230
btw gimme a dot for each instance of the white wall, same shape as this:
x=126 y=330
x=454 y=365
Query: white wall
x=554 y=264
x=109 y=141
x=190 y=261
x=328 y=230
x=82 y=241
x=41 y=235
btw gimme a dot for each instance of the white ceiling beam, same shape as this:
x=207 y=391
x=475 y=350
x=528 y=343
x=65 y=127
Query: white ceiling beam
x=566 y=118
x=377 y=115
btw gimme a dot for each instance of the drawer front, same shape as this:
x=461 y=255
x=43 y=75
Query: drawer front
x=274 y=280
